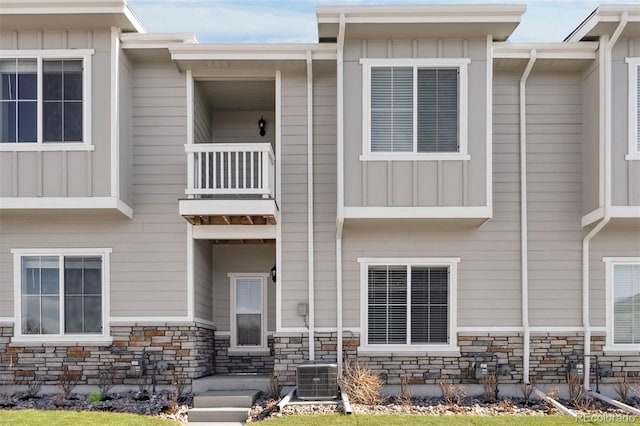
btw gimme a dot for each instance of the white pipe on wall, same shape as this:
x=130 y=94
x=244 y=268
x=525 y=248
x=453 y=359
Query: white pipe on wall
x=312 y=321
x=524 y=242
x=340 y=183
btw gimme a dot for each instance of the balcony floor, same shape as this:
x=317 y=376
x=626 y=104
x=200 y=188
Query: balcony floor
x=209 y=211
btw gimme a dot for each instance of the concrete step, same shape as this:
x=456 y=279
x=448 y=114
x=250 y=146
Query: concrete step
x=227 y=398
x=231 y=382
x=218 y=414
x=215 y=423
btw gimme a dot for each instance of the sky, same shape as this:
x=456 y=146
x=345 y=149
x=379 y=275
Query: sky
x=291 y=21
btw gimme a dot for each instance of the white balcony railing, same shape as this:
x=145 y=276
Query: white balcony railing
x=230 y=169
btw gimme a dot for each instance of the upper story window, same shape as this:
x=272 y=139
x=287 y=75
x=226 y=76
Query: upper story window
x=44 y=99
x=634 y=109
x=415 y=109
x=61 y=293
x=623 y=302
x=409 y=304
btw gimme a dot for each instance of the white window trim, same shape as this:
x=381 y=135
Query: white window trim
x=40 y=55
x=68 y=338
x=234 y=348
x=416 y=63
x=451 y=263
x=610 y=262
x=633 y=152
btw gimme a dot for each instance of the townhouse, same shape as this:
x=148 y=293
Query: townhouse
x=413 y=190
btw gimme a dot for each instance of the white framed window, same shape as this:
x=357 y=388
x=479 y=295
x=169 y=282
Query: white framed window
x=414 y=109
x=623 y=302
x=61 y=294
x=634 y=109
x=45 y=100
x=408 y=304
x=248 y=313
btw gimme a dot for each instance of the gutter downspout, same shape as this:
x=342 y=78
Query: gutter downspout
x=605 y=139
x=340 y=183
x=311 y=290
x=524 y=230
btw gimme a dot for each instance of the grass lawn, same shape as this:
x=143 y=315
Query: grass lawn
x=65 y=418
x=383 y=420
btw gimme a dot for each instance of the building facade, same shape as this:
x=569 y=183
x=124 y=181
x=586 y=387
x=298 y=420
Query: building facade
x=413 y=191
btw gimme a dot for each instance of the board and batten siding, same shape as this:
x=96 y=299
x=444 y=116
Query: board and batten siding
x=201 y=116
x=65 y=173
x=293 y=204
x=203 y=280
x=240 y=258
x=415 y=183
x=125 y=111
x=625 y=174
x=324 y=197
x=591 y=139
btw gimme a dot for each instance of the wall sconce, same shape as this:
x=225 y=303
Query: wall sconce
x=262 y=126
x=273 y=273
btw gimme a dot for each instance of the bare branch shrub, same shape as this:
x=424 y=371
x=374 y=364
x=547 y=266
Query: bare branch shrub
x=275 y=387
x=33 y=387
x=406 y=395
x=578 y=396
x=452 y=394
x=361 y=384
x=623 y=388
x=67 y=382
x=143 y=385
x=489 y=385
x=105 y=381
x=179 y=385
x=528 y=388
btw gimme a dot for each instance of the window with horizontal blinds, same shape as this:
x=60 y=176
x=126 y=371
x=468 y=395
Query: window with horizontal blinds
x=638 y=109
x=391 y=109
x=387 y=316
x=396 y=290
x=437 y=110
x=626 y=304
x=396 y=91
x=429 y=304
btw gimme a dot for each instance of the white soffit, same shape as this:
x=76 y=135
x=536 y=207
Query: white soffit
x=605 y=19
x=67 y=14
x=582 y=50
x=471 y=20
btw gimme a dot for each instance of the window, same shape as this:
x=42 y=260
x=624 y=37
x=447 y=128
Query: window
x=415 y=109
x=623 y=302
x=61 y=292
x=44 y=98
x=634 y=109
x=409 y=303
x=248 y=311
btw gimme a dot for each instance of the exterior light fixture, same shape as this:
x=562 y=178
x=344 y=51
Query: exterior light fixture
x=262 y=126
x=273 y=273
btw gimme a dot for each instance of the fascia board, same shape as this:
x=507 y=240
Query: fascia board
x=574 y=50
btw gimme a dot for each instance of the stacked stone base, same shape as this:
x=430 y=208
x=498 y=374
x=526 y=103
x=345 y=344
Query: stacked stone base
x=552 y=356
x=226 y=363
x=187 y=349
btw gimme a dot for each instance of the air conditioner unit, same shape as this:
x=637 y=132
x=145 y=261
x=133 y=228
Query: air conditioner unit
x=317 y=380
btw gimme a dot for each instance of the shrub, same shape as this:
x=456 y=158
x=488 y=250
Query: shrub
x=105 y=381
x=95 y=397
x=406 y=395
x=490 y=385
x=360 y=383
x=528 y=388
x=275 y=388
x=68 y=381
x=452 y=394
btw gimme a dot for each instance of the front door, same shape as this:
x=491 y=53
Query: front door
x=248 y=311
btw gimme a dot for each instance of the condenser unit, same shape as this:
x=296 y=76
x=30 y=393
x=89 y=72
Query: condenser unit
x=317 y=380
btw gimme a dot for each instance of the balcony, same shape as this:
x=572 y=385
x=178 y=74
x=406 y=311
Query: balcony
x=230 y=184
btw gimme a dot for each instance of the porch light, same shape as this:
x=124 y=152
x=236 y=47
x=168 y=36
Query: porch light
x=273 y=273
x=262 y=126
